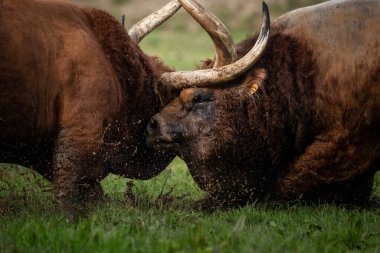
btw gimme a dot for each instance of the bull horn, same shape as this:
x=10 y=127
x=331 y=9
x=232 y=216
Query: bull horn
x=225 y=51
x=203 y=77
x=142 y=28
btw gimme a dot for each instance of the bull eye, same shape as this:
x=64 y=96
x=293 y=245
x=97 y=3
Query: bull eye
x=197 y=99
x=202 y=97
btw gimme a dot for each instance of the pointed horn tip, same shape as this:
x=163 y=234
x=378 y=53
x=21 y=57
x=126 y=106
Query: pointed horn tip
x=266 y=15
x=265 y=7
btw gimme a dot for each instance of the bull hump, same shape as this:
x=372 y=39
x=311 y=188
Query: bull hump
x=324 y=15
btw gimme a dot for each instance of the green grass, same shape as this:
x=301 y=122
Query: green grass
x=31 y=222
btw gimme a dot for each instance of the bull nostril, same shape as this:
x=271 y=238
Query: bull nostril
x=152 y=126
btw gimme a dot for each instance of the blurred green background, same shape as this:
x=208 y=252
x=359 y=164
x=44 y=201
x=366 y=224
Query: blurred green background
x=180 y=42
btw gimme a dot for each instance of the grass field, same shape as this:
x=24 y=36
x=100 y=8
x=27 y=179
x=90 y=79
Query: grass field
x=157 y=215
x=151 y=220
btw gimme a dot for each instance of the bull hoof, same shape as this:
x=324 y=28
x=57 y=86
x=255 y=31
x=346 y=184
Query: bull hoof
x=77 y=204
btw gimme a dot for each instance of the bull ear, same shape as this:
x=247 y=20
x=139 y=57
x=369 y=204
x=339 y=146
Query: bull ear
x=252 y=83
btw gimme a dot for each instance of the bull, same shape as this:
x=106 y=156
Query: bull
x=295 y=114
x=76 y=93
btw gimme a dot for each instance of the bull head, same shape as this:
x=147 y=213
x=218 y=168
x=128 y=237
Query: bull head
x=198 y=104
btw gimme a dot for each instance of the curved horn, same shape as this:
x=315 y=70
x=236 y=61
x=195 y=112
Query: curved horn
x=142 y=28
x=182 y=79
x=225 y=52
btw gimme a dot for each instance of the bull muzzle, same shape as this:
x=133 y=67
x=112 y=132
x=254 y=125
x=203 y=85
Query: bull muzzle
x=153 y=127
x=160 y=134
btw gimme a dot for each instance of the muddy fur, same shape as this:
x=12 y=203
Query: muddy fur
x=76 y=94
x=261 y=124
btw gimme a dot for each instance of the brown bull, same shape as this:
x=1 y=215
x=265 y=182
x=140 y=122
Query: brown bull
x=76 y=93
x=301 y=119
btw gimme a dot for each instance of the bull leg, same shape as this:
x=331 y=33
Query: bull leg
x=355 y=191
x=323 y=165
x=76 y=175
x=85 y=104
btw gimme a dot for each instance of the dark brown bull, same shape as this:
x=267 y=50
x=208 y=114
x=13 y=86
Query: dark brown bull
x=303 y=120
x=76 y=93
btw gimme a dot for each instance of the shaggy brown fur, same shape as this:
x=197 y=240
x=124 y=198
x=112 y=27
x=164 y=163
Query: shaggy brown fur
x=76 y=94
x=313 y=130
